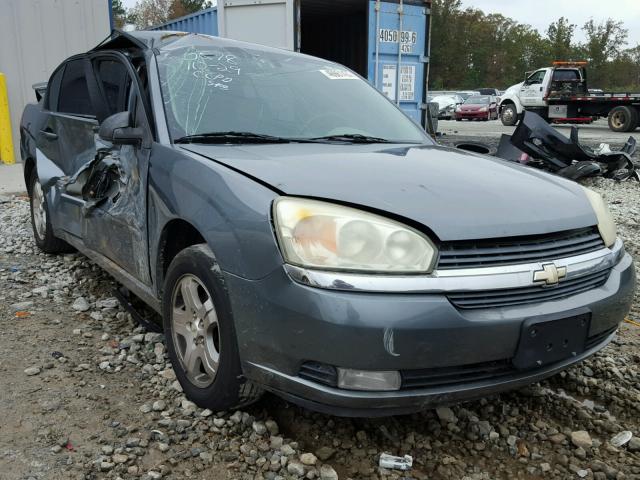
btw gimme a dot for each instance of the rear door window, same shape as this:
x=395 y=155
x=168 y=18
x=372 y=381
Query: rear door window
x=74 y=93
x=115 y=82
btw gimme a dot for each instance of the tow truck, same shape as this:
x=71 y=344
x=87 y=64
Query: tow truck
x=560 y=94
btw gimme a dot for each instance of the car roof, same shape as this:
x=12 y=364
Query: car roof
x=159 y=39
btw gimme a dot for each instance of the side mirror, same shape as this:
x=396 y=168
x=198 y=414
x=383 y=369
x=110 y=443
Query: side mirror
x=117 y=129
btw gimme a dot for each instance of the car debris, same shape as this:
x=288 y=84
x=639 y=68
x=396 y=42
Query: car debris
x=391 y=462
x=538 y=144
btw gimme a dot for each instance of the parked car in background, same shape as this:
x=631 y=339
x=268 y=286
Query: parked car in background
x=480 y=107
x=466 y=94
x=447 y=105
x=489 y=91
x=300 y=234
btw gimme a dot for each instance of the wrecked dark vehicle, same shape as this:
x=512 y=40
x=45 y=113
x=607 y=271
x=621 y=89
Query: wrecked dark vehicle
x=538 y=144
x=299 y=234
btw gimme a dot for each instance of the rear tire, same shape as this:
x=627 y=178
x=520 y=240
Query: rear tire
x=200 y=333
x=41 y=220
x=623 y=119
x=509 y=115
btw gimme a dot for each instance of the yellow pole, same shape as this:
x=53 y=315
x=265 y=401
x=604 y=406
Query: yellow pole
x=6 y=140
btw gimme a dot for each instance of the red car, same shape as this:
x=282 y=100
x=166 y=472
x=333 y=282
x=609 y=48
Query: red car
x=478 y=107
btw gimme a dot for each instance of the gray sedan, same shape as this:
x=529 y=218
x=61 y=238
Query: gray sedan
x=299 y=234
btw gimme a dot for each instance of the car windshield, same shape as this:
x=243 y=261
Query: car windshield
x=483 y=100
x=211 y=85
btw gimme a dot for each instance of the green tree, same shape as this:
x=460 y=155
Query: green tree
x=604 y=44
x=180 y=8
x=119 y=13
x=192 y=6
x=154 y=12
x=470 y=49
x=560 y=40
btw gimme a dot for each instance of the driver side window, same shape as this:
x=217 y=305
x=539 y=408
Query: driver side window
x=536 y=78
x=116 y=88
x=115 y=83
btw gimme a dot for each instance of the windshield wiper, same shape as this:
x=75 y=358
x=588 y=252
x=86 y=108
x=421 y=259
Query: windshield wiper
x=353 y=137
x=231 y=137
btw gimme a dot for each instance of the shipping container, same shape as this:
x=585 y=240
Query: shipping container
x=387 y=42
x=205 y=21
x=36 y=35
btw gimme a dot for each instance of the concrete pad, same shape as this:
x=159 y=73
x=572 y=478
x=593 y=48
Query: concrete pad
x=11 y=179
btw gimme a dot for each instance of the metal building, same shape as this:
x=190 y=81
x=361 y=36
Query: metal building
x=36 y=35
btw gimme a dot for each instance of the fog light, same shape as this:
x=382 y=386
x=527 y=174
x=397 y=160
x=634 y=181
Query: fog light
x=368 y=380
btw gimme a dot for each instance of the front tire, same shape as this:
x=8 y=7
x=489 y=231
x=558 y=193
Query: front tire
x=200 y=333
x=41 y=220
x=509 y=115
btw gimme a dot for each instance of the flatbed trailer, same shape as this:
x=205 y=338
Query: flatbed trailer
x=619 y=108
x=560 y=94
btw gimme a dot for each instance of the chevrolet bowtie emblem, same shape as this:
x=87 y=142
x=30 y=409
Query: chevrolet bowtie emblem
x=550 y=274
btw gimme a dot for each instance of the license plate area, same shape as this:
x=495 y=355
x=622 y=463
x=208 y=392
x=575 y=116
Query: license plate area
x=543 y=342
x=558 y=111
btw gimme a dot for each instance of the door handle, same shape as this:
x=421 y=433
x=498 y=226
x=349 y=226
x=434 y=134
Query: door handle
x=49 y=134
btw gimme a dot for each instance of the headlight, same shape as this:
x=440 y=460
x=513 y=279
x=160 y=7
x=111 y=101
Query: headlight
x=323 y=235
x=484 y=109
x=606 y=224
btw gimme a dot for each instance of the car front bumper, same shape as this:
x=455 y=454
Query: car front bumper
x=472 y=115
x=281 y=324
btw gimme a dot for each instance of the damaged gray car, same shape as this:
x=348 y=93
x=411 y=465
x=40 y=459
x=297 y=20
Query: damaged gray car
x=299 y=234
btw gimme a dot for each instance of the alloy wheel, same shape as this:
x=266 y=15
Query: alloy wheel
x=39 y=212
x=195 y=330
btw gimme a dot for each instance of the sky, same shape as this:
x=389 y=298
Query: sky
x=540 y=13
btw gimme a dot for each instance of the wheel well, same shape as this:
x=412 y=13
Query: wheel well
x=29 y=166
x=176 y=236
x=507 y=102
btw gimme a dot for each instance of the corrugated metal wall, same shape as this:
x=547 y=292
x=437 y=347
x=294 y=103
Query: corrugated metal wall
x=205 y=21
x=36 y=35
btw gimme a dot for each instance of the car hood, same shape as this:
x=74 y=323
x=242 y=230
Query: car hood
x=457 y=195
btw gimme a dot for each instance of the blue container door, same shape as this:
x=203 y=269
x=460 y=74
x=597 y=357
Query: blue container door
x=406 y=86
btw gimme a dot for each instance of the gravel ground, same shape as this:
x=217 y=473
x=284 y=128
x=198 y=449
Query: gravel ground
x=85 y=393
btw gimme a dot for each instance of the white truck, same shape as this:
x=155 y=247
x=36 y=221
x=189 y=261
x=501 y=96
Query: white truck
x=560 y=94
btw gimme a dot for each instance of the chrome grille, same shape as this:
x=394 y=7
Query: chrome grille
x=533 y=294
x=515 y=250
